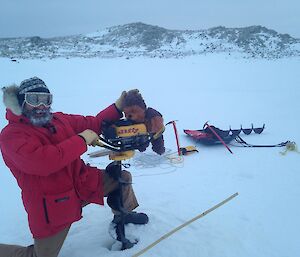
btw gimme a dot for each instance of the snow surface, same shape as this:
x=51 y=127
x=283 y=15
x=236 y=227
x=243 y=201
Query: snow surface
x=262 y=221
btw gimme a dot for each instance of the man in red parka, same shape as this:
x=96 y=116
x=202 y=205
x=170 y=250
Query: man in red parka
x=42 y=149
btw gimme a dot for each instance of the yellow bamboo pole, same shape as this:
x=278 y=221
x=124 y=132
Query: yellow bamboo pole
x=184 y=225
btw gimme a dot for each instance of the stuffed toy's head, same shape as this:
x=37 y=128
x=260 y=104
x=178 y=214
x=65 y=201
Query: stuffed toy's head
x=134 y=106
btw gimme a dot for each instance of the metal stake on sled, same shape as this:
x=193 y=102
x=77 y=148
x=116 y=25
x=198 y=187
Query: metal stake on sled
x=216 y=134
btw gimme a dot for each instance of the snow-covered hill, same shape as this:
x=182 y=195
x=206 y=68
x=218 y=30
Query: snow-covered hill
x=139 y=39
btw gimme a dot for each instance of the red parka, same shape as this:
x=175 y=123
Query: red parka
x=47 y=166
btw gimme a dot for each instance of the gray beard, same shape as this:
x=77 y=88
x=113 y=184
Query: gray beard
x=36 y=120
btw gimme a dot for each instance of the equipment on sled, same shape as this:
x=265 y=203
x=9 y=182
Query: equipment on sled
x=121 y=139
x=211 y=135
x=207 y=137
x=181 y=150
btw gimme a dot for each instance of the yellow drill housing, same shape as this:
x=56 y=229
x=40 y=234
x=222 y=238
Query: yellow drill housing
x=131 y=130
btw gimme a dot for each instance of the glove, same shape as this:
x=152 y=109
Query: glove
x=89 y=136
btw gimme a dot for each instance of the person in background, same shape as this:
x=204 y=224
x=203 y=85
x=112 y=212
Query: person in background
x=42 y=149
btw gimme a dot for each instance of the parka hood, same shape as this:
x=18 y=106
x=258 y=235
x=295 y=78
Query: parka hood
x=10 y=99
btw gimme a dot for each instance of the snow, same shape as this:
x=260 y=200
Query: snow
x=262 y=221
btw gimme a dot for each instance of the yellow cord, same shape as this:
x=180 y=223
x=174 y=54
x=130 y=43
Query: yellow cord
x=290 y=147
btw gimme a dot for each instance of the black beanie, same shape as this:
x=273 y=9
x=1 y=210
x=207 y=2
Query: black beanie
x=34 y=84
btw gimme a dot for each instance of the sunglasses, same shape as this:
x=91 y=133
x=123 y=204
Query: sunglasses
x=35 y=99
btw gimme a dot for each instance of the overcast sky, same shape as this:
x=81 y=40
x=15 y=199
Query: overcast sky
x=47 y=18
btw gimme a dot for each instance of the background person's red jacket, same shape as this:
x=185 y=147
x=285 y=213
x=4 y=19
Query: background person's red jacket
x=47 y=166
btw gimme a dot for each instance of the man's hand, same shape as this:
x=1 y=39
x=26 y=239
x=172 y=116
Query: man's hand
x=89 y=136
x=120 y=101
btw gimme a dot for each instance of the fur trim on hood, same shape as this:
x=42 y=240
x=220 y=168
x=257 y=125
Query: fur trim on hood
x=10 y=99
